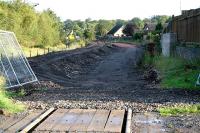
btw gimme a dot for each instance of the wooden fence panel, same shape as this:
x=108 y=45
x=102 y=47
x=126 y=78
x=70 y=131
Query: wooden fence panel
x=198 y=28
x=187 y=26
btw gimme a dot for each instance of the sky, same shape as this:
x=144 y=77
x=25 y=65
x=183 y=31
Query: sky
x=114 y=9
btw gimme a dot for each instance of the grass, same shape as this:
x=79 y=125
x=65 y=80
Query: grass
x=179 y=110
x=42 y=51
x=6 y=102
x=176 y=72
x=129 y=41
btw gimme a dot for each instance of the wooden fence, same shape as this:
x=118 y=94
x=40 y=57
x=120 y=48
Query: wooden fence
x=187 y=26
x=42 y=51
x=45 y=51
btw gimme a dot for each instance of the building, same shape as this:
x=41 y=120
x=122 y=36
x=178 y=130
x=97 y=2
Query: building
x=149 y=27
x=116 y=31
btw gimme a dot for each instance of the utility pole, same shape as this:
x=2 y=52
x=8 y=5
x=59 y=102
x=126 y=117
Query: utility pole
x=180 y=6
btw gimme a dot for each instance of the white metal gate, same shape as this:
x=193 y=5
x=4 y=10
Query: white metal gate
x=13 y=64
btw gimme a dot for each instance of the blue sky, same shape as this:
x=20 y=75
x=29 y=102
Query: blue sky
x=114 y=9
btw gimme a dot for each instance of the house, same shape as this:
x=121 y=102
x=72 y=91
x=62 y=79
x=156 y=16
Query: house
x=149 y=27
x=71 y=36
x=116 y=31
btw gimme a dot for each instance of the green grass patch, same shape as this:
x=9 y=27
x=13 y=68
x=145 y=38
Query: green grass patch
x=179 y=110
x=175 y=72
x=19 y=93
x=6 y=102
x=129 y=41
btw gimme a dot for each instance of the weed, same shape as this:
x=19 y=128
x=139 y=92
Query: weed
x=19 y=93
x=6 y=103
x=175 y=72
x=179 y=110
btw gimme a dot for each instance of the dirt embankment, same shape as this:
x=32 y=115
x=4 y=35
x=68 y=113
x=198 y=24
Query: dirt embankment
x=99 y=76
x=106 y=77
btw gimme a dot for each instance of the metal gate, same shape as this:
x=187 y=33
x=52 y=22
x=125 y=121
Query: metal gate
x=14 y=66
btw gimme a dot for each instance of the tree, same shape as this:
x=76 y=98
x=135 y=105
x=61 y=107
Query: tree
x=31 y=28
x=88 y=20
x=129 y=29
x=159 y=28
x=103 y=27
x=120 y=22
x=160 y=19
x=89 y=34
x=68 y=25
x=137 y=22
x=146 y=20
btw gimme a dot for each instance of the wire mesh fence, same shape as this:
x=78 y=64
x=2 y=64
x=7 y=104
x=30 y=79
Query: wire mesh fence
x=14 y=66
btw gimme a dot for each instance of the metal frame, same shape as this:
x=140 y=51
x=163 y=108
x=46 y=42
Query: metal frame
x=7 y=37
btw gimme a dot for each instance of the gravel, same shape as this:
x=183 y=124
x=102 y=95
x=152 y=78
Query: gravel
x=101 y=77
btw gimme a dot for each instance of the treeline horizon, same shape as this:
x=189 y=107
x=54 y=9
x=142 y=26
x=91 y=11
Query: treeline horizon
x=46 y=29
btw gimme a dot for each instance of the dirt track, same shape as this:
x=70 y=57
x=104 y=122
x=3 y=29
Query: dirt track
x=101 y=77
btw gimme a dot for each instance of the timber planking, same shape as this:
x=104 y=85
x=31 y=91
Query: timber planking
x=71 y=120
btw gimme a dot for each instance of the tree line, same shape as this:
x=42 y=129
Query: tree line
x=45 y=29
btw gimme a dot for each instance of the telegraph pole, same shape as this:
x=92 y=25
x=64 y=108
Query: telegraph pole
x=180 y=6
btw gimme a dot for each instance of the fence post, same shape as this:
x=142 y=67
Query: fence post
x=44 y=51
x=48 y=50
x=37 y=52
x=30 y=53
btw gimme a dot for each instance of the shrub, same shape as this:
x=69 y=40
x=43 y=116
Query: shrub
x=138 y=36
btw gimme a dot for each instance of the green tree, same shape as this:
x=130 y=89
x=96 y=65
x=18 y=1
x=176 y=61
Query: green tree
x=160 y=19
x=137 y=22
x=89 y=34
x=120 y=22
x=31 y=28
x=129 y=29
x=159 y=28
x=103 y=27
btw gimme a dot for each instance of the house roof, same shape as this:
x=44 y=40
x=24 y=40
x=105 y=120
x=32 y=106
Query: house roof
x=149 y=26
x=115 y=29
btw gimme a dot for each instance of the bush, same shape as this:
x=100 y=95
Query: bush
x=138 y=36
